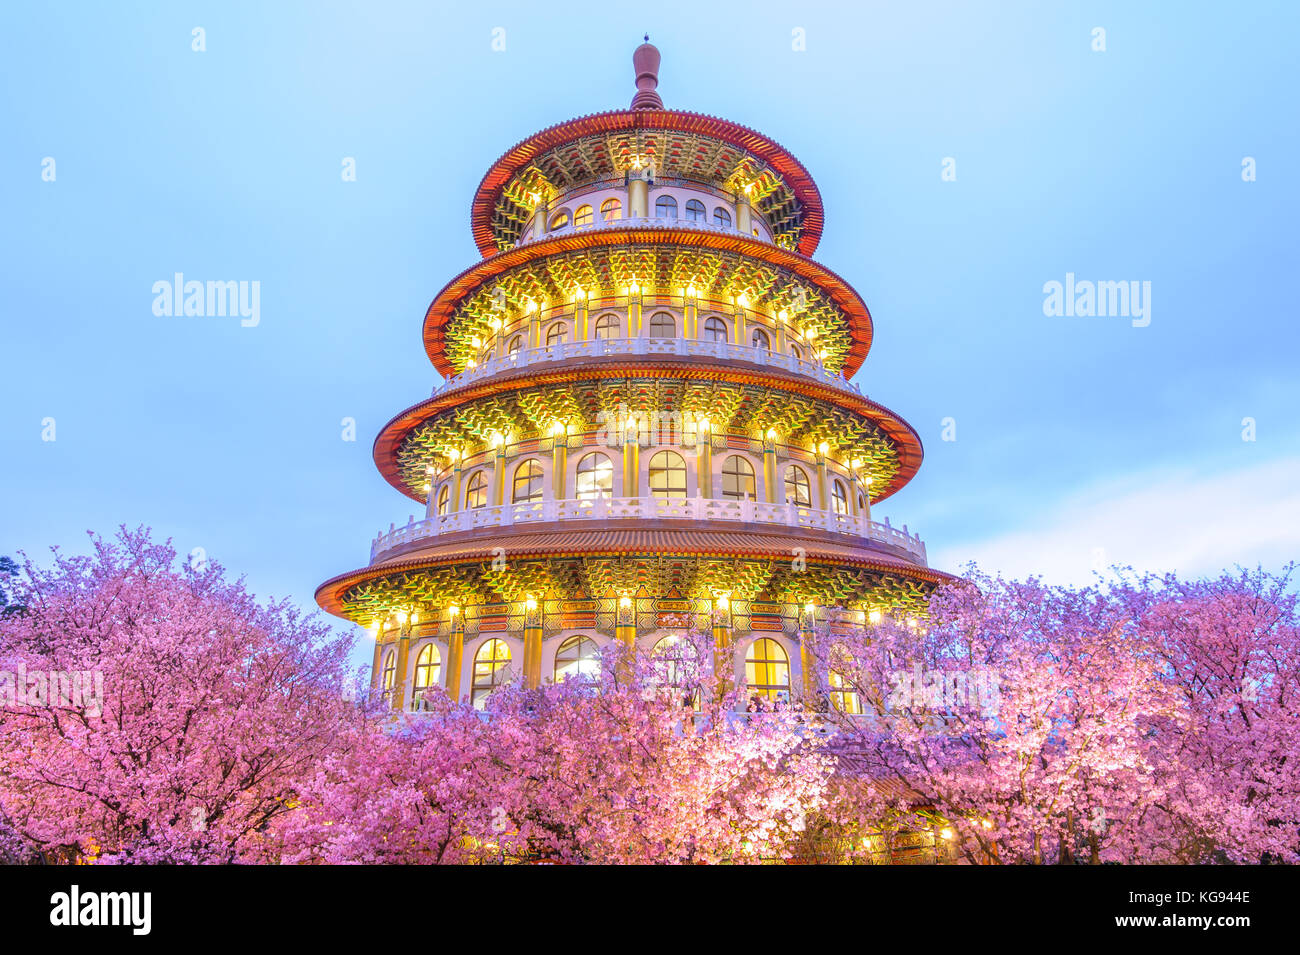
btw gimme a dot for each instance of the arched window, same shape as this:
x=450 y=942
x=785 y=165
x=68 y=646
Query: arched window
x=610 y=210
x=528 y=483
x=839 y=498
x=843 y=697
x=796 y=486
x=663 y=325
x=715 y=329
x=767 y=670
x=428 y=674
x=609 y=326
x=516 y=343
x=476 y=496
x=759 y=339
x=673 y=665
x=665 y=207
x=795 y=351
x=560 y=219
x=722 y=218
x=667 y=475
x=738 y=479
x=388 y=674
x=557 y=334
x=577 y=656
x=444 y=500
x=491 y=670
x=595 y=477
x=582 y=216
x=862 y=502
x=695 y=210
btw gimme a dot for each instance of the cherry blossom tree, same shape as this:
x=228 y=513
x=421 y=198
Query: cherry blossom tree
x=195 y=712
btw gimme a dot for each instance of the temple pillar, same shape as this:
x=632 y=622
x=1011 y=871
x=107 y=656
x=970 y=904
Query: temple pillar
x=580 y=331
x=691 y=319
x=499 y=475
x=454 y=502
x=379 y=657
x=744 y=223
x=636 y=328
x=821 y=476
x=532 y=645
x=704 y=459
x=455 y=652
x=399 y=682
x=559 y=461
x=769 y=469
x=638 y=196
x=631 y=460
x=723 y=660
x=625 y=623
x=807 y=655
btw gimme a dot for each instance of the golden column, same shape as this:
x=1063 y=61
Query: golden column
x=457 y=459
x=723 y=662
x=690 y=315
x=769 y=465
x=455 y=651
x=743 y=224
x=704 y=463
x=821 y=474
x=403 y=653
x=532 y=644
x=580 y=330
x=631 y=435
x=379 y=655
x=625 y=623
x=807 y=656
x=559 y=458
x=499 y=471
x=635 y=327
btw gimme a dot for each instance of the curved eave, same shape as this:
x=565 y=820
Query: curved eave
x=524 y=152
x=329 y=595
x=906 y=440
x=442 y=308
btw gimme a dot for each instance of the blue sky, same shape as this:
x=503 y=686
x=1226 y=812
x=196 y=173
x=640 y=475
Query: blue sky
x=1077 y=439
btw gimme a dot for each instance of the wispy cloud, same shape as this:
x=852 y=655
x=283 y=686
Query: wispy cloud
x=1171 y=520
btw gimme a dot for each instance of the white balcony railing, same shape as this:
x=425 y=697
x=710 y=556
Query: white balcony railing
x=649 y=508
x=643 y=347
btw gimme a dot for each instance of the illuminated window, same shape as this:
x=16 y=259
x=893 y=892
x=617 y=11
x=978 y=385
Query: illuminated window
x=491 y=670
x=428 y=673
x=609 y=326
x=611 y=209
x=667 y=475
x=557 y=334
x=760 y=340
x=673 y=663
x=839 y=498
x=767 y=670
x=695 y=211
x=663 y=325
x=516 y=343
x=595 y=477
x=796 y=486
x=665 y=207
x=843 y=697
x=476 y=496
x=577 y=656
x=528 y=483
x=715 y=329
x=389 y=674
x=444 y=500
x=560 y=219
x=722 y=218
x=738 y=479
x=582 y=216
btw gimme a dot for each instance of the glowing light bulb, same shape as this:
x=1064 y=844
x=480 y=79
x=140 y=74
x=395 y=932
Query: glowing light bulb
x=453 y=611
x=625 y=602
x=530 y=602
x=690 y=291
x=402 y=616
x=823 y=448
x=875 y=616
x=771 y=434
x=704 y=424
x=809 y=608
x=723 y=601
x=946 y=833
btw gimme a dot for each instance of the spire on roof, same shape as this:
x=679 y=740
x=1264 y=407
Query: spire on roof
x=646 y=63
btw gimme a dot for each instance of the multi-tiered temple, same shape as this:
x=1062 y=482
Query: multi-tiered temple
x=647 y=414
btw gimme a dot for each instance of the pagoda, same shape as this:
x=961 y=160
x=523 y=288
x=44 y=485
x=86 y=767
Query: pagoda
x=646 y=417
